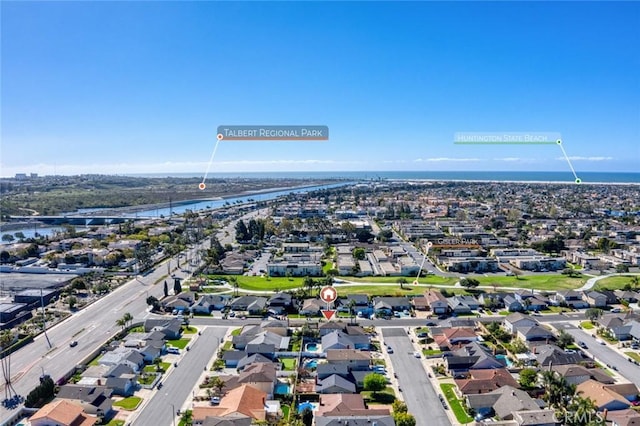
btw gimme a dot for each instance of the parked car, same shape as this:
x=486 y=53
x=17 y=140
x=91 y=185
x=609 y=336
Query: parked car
x=417 y=354
x=389 y=349
x=215 y=400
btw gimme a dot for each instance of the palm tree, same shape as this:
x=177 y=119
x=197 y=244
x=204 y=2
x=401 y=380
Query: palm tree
x=402 y=281
x=121 y=322
x=6 y=339
x=218 y=383
x=128 y=318
x=352 y=304
x=234 y=283
x=634 y=282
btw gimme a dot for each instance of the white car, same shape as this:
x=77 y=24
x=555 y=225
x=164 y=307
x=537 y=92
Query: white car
x=417 y=354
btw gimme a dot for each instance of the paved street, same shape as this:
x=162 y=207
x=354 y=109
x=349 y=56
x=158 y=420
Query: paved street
x=178 y=385
x=420 y=397
x=603 y=354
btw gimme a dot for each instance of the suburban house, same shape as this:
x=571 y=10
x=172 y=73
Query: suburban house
x=335 y=384
x=595 y=299
x=552 y=355
x=437 y=302
x=515 y=321
x=576 y=374
x=512 y=304
x=534 y=333
x=504 y=402
x=604 y=396
x=485 y=381
x=254 y=305
x=340 y=340
x=62 y=413
x=352 y=358
x=245 y=400
x=312 y=307
x=94 y=400
x=571 y=298
x=170 y=327
x=279 y=303
x=391 y=304
x=471 y=356
x=125 y=356
x=343 y=404
x=208 y=303
x=261 y=376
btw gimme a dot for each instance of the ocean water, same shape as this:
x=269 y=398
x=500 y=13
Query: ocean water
x=501 y=176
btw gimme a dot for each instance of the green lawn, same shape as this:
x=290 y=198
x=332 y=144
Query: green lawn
x=633 y=355
x=430 y=352
x=587 y=325
x=128 y=404
x=289 y=364
x=179 y=343
x=613 y=283
x=115 y=422
x=386 y=396
x=263 y=283
x=540 y=282
x=146 y=379
x=164 y=366
x=189 y=330
x=431 y=279
x=455 y=404
x=236 y=332
x=381 y=290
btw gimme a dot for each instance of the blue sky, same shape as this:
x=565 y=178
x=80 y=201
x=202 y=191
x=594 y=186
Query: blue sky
x=126 y=87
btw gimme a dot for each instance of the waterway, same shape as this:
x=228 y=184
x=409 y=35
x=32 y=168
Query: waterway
x=176 y=208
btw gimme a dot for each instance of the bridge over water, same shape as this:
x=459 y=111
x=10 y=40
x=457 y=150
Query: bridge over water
x=79 y=220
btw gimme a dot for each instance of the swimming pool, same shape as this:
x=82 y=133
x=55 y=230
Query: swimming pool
x=311 y=363
x=504 y=360
x=313 y=347
x=281 y=388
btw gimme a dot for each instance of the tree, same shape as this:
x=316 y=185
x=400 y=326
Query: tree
x=374 y=382
x=128 y=318
x=359 y=253
x=564 y=339
x=8 y=238
x=364 y=235
x=528 y=378
x=592 y=314
x=6 y=340
x=307 y=417
x=218 y=383
x=385 y=235
x=72 y=301
x=572 y=273
x=469 y=283
x=154 y=303
x=399 y=406
x=242 y=233
x=622 y=268
x=308 y=283
x=404 y=419
x=402 y=281
x=19 y=235
x=177 y=288
x=79 y=283
x=41 y=393
x=166 y=288
x=120 y=322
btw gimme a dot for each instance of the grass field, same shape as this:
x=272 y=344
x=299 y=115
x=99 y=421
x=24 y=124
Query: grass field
x=455 y=404
x=129 y=404
x=431 y=279
x=587 y=325
x=539 y=282
x=613 y=283
x=262 y=283
x=179 y=343
x=381 y=290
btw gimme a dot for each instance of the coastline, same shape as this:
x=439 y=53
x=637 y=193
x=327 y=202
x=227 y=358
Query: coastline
x=542 y=182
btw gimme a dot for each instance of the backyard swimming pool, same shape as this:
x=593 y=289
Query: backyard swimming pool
x=313 y=347
x=281 y=388
x=503 y=359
